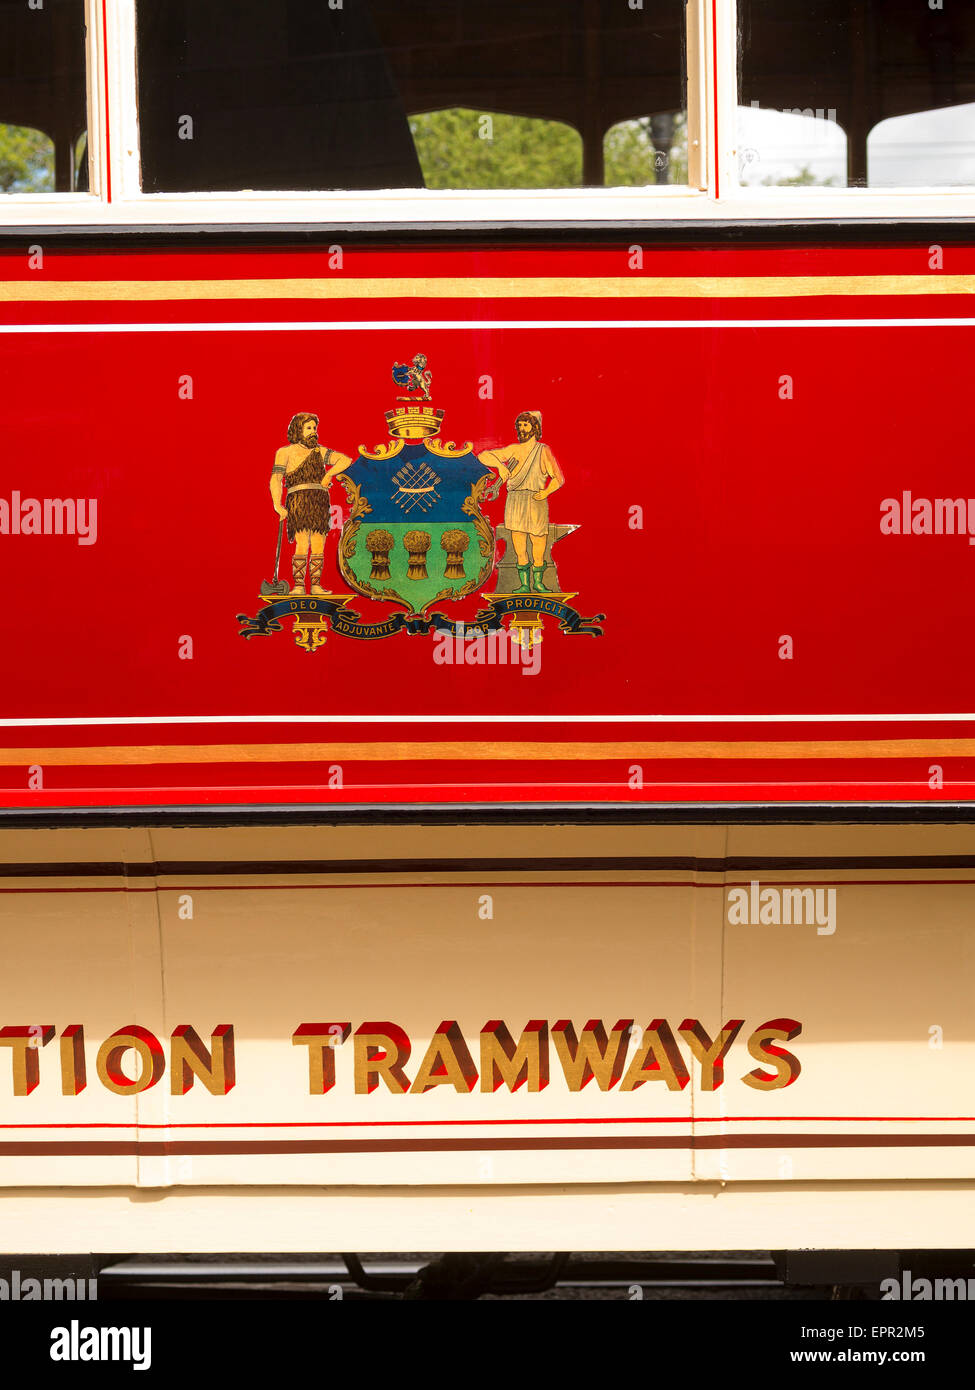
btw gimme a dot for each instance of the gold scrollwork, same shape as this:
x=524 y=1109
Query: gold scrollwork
x=447 y=449
x=383 y=451
x=472 y=507
x=310 y=636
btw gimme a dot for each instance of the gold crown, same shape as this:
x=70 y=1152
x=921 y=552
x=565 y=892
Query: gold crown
x=414 y=421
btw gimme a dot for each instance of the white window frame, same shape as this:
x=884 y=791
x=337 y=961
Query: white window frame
x=713 y=191
x=17 y=208
x=750 y=204
x=117 y=199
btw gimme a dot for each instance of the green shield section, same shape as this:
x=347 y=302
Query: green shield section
x=418 y=571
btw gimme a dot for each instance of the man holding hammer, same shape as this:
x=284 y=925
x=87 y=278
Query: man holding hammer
x=532 y=474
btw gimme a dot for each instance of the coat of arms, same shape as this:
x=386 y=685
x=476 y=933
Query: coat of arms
x=415 y=536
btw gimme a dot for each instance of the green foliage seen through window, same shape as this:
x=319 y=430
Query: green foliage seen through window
x=26 y=160
x=463 y=148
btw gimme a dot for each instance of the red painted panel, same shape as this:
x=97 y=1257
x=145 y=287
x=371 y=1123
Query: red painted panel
x=760 y=520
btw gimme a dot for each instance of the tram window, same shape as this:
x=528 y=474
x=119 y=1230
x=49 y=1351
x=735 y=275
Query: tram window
x=897 y=77
x=43 y=97
x=241 y=94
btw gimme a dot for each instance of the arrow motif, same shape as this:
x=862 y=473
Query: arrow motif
x=416 y=487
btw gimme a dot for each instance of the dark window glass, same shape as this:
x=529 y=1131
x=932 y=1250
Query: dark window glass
x=247 y=94
x=857 y=92
x=43 y=97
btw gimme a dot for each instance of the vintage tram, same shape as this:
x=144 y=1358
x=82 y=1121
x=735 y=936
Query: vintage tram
x=565 y=841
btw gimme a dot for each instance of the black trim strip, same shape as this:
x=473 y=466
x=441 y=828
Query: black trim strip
x=463 y=864
x=473 y=813
x=786 y=231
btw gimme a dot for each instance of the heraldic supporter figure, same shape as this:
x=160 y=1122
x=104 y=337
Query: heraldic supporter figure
x=532 y=474
x=303 y=468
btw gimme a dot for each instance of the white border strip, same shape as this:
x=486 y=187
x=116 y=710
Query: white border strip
x=489 y=209
x=473 y=325
x=528 y=718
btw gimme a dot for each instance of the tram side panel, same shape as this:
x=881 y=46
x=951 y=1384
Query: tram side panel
x=358 y=1030
x=670 y=542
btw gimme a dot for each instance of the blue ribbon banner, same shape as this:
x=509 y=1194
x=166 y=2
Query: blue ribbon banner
x=347 y=623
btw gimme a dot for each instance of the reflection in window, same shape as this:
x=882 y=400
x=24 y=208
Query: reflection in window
x=928 y=147
x=860 y=66
x=243 y=94
x=43 y=100
x=790 y=149
x=239 y=94
x=479 y=149
x=81 y=163
x=650 y=150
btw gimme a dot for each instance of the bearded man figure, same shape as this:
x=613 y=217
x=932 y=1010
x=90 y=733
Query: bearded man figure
x=531 y=474
x=302 y=468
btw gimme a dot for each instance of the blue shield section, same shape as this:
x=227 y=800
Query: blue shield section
x=416 y=534
x=417 y=485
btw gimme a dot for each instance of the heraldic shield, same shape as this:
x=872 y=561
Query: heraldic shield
x=415 y=534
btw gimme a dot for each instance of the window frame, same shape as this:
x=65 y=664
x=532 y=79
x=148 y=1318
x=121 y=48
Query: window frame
x=713 y=192
x=119 y=199
x=67 y=205
x=807 y=204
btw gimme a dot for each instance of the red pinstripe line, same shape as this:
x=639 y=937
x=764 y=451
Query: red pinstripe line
x=108 y=138
x=714 y=59
x=128 y=1148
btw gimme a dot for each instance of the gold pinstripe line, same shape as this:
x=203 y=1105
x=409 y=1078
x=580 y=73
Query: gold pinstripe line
x=489 y=752
x=501 y=287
